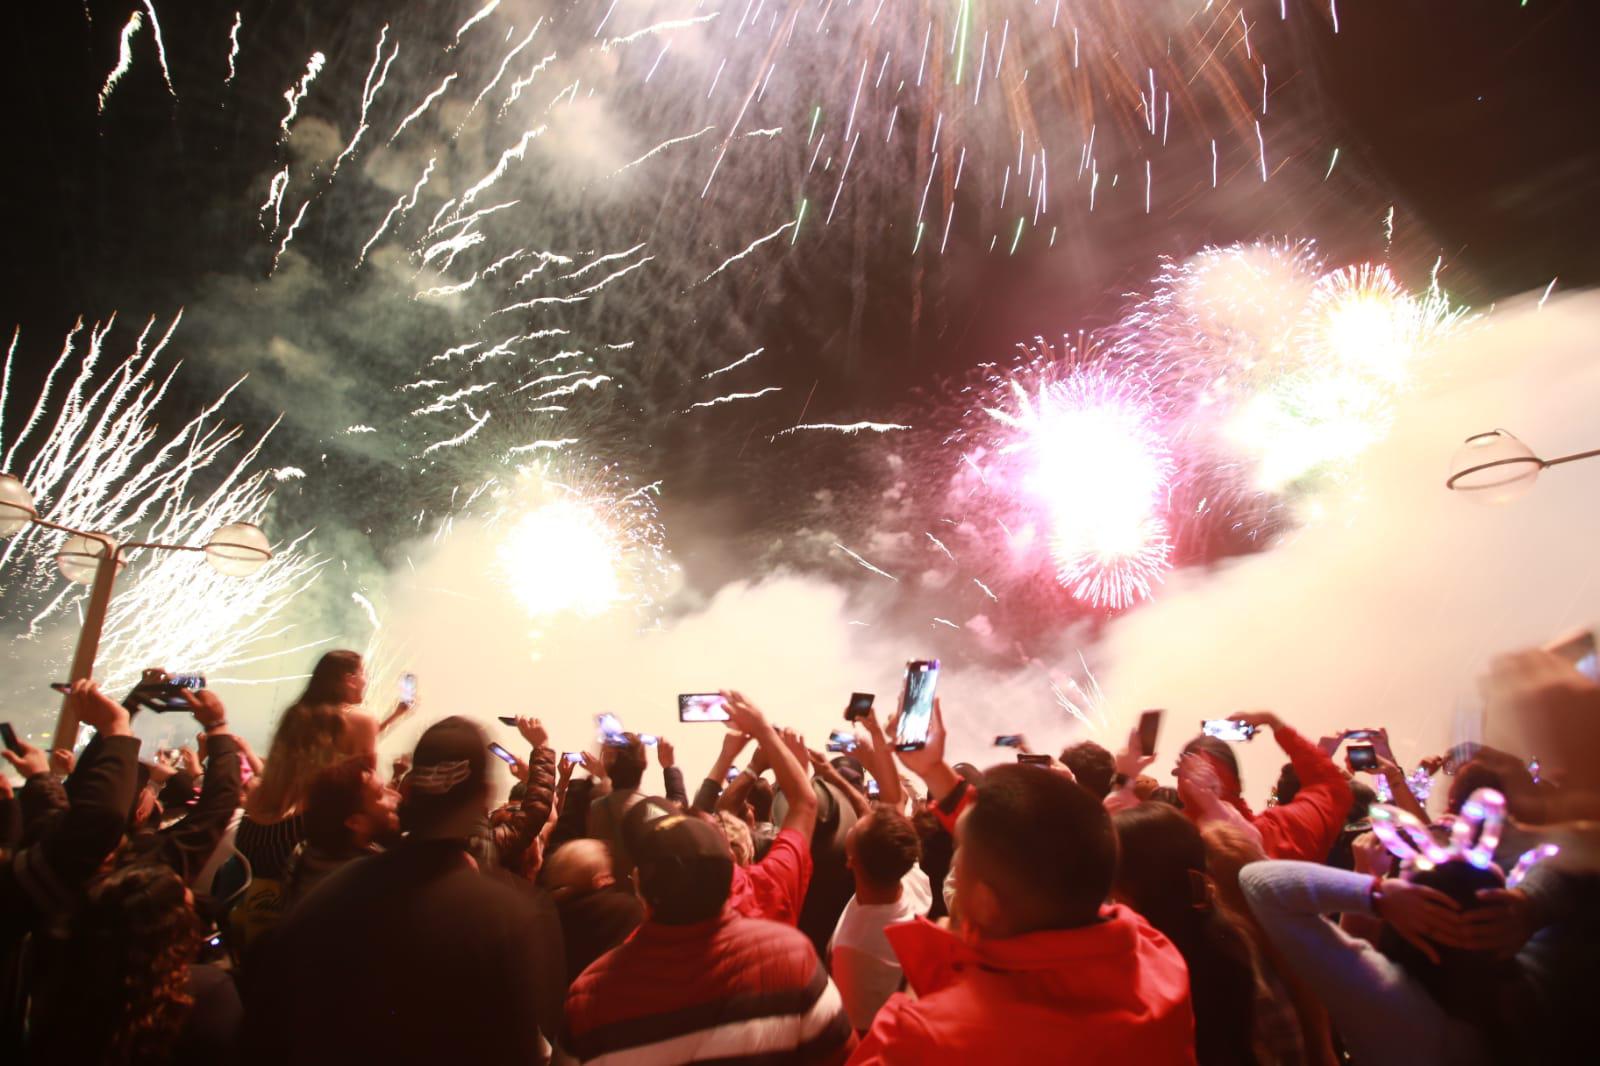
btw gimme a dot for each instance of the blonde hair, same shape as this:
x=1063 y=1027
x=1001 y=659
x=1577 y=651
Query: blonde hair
x=740 y=841
x=307 y=740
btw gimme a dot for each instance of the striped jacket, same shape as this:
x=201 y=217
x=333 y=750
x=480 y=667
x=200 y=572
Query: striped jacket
x=732 y=988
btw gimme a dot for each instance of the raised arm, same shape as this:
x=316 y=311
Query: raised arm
x=705 y=797
x=792 y=779
x=187 y=845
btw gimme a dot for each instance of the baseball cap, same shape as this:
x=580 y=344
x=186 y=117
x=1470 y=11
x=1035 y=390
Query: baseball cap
x=685 y=867
x=448 y=769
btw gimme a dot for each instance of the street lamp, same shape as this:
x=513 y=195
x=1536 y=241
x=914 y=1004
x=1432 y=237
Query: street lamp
x=1497 y=467
x=95 y=559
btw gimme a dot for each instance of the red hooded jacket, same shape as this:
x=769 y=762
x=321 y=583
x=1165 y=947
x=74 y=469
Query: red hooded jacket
x=1307 y=827
x=1115 y=992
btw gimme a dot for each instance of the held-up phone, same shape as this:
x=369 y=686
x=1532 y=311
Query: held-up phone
x=1008 y=740
x=9 y=735
x=408 y=688
x=502 y=754
x=1360 y=734
x=649 y=738
x=573 y=757
x=168 y=695
x=1032 y=760
x=702 y=707
x=1227 y=729
x=508 y=719
x=860 y=706
x=841 y=741
x=872 y=788
x=1579 y=650
x=916 y=707
x=1149 y=727
x=1362 y=757
x=610 y=726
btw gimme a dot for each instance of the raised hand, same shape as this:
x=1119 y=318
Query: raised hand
x=97 y=710
x=1257 y=719
x=1131 y=760
x=62 y=761
x=665 y=754
x=32 y=761
x=533 y=731
x=207 y=708
x=1418 y=913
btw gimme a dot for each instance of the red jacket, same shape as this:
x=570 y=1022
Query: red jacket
x=1115 y=992
x=1308 y=826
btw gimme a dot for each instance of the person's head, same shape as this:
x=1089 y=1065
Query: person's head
x=760 y=798
x=625 y=762
x=1161 y=870
x=1471 y=777
x=306 y=740
x=348 y=807
x=577 y=868
x=1463 y=982
x=1230 y=849
x=740 y=842
x=1362 y=797
x=1288 y=786
x=1165 y=794
x=339 y=677
x=881 y=848
x=1092 y=765
x=125 y=971
x=1220 y=752
x=684 y=870
x=448 y=786
x=1034 y=851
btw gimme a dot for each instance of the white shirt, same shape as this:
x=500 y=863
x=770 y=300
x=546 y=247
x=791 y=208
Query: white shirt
x=864 y=966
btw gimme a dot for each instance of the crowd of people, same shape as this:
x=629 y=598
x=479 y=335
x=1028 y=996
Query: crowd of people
x=878 y=906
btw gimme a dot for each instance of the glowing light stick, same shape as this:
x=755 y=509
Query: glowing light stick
x=1473 y=837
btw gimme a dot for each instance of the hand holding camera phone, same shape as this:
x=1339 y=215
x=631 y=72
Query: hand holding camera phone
x=1149 y=728
x=502 y=754
x=1363 y=757
x=702 y=707
x=916 y=705
x=408 y=689
x=860 y=706
x=1028 y=759
x=1008 y=740
x=841 y=741
x=9 y=735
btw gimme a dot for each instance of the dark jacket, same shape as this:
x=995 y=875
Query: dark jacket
x=595 y=922
x=187 y=844
x=409 y=956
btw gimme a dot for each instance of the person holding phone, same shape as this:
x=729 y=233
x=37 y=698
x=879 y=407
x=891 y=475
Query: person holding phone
x=1308 y=826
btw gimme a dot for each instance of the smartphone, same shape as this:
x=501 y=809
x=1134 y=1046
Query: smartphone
x=1008 y=740
x=702 y=707
x=649 y=738
x=408 y=688
x=841 y=741
x=872 y=788
x=502 y=754
x=508 y=719
x=1032 y=760
x=860 y=706
x=573 y=757
x=1362 y=757
x=1360 y=734
x=1227 y=729
x=9 y=735
x=62 y=687
x=610 y=726
x=1579 y=650
x=916 y=708
x=1149 y=727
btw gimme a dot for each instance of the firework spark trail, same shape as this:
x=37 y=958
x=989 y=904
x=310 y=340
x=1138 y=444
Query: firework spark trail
x=504 y=63
x=401 y=206
x=543 y=445
x=611 y=257
x=369 y=92
x=523 y=82
x=366 y=605
x=233 y=47
x=161 y=47
x=470 y=432
x=288 y=236
x=864 y=563
x=483 y=13
x=274 y=200
x=427 y=101
x=663 y=146
x=741 y=361
x=659 y=27
x=297 y=92
x=732 y=396
x=752 y=246
x=987 y=591
x=510 y=155
x=103 y=466
x=937 y=543
x=124 y=59
x=847 y=428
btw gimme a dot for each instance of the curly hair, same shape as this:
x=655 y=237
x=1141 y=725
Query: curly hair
x=122 y=995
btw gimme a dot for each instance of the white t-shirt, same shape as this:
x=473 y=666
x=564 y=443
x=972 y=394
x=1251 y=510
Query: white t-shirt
x=864 y=966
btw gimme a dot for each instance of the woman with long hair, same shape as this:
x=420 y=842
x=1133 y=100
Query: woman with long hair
x=127 y=990
x=324 y=726
x=1161 y=873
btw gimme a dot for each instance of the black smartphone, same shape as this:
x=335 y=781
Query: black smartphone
x=1149 y=727
x=62 y=687
x=508 y=719
x=9 y=735
x=702 y=707
x=860 y=706
x=916 y=708
x=1363 y=757
x=1032 y=760
x=502 y=754
x=1008 y=740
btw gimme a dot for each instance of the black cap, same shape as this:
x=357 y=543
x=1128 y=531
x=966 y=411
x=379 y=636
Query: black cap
x=685 y=866
x=448 y=770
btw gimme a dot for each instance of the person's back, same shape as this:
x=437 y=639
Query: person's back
x=412 y=955
x=698 y=981
x=1042 y=972
x=882 y=851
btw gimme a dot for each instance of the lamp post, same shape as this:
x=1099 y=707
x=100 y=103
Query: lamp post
x=1497 y=467
x=95 y=559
